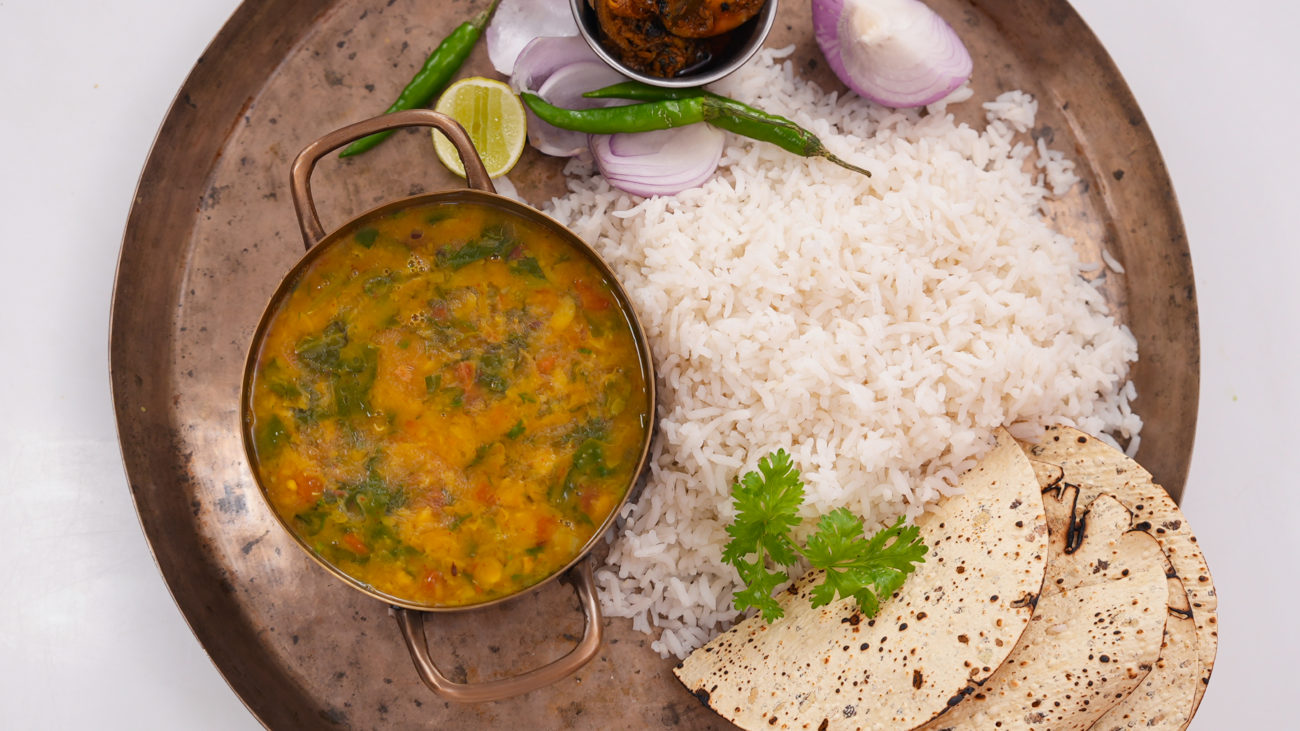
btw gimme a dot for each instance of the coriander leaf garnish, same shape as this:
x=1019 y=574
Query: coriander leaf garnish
x=860 y=568
x=767 y=506
x=759 y=584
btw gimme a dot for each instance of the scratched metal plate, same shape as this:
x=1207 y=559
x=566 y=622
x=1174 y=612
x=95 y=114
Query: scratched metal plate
x=213 y=230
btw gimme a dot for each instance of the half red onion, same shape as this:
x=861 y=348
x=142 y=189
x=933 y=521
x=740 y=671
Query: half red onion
x=516 y=22
x=663 y=162
x=898 y=53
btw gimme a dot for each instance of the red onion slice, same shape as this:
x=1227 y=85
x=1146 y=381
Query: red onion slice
x=517 y=22
x=899 y=53
x=565 y=88
x=663 y=162
x=560 y=69
x=545 y=55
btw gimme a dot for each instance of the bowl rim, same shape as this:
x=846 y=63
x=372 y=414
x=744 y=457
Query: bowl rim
x=766 y=18
x=291 y=278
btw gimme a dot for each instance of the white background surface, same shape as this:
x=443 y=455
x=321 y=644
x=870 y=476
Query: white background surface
x=89 y=636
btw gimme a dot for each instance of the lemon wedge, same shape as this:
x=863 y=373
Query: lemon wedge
x=494 y=118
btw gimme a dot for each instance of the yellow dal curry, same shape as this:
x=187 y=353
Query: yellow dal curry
x=448 y=404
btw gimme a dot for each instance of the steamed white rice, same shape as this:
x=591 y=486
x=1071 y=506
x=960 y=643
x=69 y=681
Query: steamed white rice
x=878 y=329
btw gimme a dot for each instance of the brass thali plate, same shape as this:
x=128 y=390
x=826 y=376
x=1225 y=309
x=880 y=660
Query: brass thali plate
x=213 y=230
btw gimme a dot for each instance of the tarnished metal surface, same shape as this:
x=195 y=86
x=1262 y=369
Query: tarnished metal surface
x=213 y=231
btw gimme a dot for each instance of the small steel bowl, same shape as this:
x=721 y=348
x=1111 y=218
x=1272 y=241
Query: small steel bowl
x=746 y=41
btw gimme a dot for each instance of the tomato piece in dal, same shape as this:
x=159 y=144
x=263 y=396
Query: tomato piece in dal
x=448 y=403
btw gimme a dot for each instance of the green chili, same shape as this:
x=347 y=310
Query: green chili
x=643 y=92
x=434 y=76
x=662 y=108
x=613 y=120
x=779 y=131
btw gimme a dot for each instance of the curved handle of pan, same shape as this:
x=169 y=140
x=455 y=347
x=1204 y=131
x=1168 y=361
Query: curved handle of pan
x=412 y=624
x=300 y=173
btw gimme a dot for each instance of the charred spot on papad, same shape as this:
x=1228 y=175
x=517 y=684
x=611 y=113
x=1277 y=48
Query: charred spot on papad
x=1095 y=468
x=950 y=625
x=1096 y=632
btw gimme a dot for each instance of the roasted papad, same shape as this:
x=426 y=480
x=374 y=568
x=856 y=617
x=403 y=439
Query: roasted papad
x=1095 y=634
x=1096 y=468
x=950 y=626
x=1166 y=698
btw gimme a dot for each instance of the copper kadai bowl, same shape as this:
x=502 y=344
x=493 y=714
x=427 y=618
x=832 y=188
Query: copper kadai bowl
x=411 y=616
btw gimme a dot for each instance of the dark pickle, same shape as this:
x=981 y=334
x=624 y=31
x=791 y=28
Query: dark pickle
x=669 y=38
